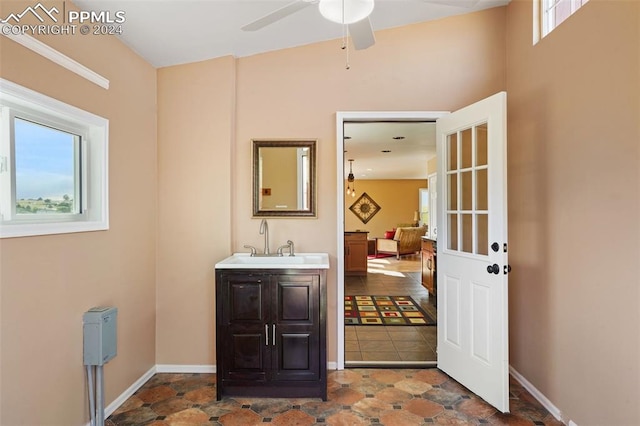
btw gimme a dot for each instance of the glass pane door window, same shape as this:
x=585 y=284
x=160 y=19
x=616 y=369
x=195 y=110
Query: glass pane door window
x=466 y=187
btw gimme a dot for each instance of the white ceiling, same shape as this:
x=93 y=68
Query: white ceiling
x=170 y=32
x=407 y=158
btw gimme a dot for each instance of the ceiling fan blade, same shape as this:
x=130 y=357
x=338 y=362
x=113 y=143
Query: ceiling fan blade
x=276 y=15
x=361 y=33
x=456 y=3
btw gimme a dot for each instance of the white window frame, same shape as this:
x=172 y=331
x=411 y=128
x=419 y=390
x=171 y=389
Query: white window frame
x=91 y=151
x=544 y=16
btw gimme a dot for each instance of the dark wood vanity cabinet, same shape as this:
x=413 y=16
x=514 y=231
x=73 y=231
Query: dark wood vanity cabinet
x=271 y=333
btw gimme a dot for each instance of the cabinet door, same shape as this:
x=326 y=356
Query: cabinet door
x=245 y=308
x=356 y=255
x=296 y=326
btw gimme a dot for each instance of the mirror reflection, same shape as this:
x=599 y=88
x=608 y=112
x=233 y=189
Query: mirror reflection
x=284 y=178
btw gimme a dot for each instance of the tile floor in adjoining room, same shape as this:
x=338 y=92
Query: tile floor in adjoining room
x=370 y=343
x=391 y=397
x=390 y=343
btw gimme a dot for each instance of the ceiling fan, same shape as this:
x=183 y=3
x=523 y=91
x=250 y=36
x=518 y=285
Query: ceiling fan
x=355 y=14
x=352 y=13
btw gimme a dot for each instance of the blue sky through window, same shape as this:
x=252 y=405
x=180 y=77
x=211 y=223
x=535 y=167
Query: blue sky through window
x=44 y=161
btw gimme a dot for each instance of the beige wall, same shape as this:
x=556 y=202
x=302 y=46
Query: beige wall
x=48 y=282
x=574 y=209
x=195 y=134
x=432 y=165
x=292 y=93
x=574 y=196
x=295 y=93
x=397 y=198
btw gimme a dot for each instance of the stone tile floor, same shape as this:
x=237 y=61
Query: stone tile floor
x=391 y=397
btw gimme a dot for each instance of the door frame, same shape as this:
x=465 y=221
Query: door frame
x=341 y=118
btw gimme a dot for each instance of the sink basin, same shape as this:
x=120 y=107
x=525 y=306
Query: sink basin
x=299 y=261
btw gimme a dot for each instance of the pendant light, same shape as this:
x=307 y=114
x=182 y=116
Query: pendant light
x=351 y=184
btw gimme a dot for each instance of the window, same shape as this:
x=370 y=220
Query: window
x=552 y=13
x=53 y=165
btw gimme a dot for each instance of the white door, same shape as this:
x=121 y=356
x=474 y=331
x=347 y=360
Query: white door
x=473 y=345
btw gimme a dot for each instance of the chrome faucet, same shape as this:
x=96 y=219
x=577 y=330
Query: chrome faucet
x=288 y=246
x=264 y=229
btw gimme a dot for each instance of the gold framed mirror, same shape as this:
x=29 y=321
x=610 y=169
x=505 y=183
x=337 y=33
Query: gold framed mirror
x=284 y=178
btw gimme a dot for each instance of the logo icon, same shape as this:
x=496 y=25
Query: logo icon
x=38 y=11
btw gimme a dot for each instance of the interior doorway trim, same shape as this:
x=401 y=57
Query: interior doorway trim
x=341 y=118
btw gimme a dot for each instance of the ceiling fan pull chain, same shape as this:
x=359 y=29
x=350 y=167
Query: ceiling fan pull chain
x=345 y=36
x=347 y=48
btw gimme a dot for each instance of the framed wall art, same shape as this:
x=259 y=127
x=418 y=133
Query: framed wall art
x=365 y=208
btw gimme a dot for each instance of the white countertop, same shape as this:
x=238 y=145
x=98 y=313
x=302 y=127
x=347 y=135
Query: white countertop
x=299 y=261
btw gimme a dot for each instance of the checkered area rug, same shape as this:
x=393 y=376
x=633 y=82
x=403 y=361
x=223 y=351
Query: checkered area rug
x=384 y=310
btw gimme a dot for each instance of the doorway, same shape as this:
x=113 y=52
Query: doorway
x=473 y=252
x=394 y=266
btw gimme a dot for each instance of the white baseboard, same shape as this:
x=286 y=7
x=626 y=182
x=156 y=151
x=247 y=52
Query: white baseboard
x=180 y=368
x=546 y=403
x=332 y=366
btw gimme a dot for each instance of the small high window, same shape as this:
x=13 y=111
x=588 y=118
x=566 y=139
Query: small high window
x=551 y=13
x=53 y=166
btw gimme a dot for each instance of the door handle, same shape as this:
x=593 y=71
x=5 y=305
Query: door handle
x=266 y=334
x=493 y=269
x=273 y=336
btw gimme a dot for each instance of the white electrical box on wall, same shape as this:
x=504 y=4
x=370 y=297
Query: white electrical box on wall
x=100 y=335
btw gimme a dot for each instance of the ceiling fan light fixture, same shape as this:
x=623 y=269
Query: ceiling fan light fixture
x=354 y=10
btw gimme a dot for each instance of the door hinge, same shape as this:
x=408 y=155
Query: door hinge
x=504 y=247
x=3 y=164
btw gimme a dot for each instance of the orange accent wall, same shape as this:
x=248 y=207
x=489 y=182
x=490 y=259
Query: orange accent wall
x=397 y=198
